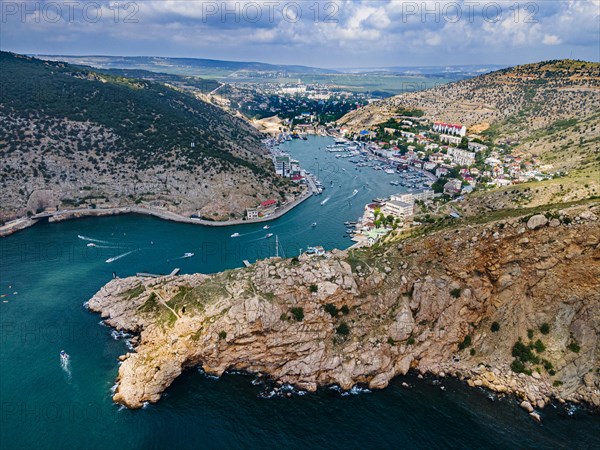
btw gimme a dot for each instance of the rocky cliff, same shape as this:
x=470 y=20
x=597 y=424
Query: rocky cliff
x=511 y=305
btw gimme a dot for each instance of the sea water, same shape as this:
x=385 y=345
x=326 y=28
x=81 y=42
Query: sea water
x=47 y=273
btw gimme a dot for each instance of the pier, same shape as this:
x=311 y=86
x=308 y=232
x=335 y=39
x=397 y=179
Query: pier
x=153 y=275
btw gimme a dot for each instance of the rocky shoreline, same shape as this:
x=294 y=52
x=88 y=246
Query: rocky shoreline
x=465 y=303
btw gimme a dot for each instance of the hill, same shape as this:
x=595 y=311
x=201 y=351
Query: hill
x=548 y=110
x=185 y=66
x=73 y=137
x=517 y=100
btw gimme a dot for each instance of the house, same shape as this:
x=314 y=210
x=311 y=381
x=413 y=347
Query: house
x=268 y=203
x=453 y=187
x=389 y=130
x=441 y=171
x=251 y=213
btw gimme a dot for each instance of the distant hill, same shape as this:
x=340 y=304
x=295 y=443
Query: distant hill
x=86 y=137
x=183 y=66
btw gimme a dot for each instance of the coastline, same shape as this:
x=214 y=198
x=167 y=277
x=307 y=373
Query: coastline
x=418 y=336
x=72 y=214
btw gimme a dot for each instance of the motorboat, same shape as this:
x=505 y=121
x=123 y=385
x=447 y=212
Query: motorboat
x=188 y=255
x=314 y=224
x=64 y=356
x=269 y=235
x=234 y=235
x=266 y=227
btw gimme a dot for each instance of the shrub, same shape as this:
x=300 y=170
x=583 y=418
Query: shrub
x=283 y=317
x=495 y=327
x=313 y=288
x=343 y=329
x=517 y=366
x=222 y=335
x=539 y=346
x=545 y=328
x=331 y=309
x=345 y=310
x=410 y=341
x=295 y=261
x=557 y=383
x=530 y=333
x=465 y=343
x=391 y=341
x=455 y=292
x=547 y=365
x=298 y=313
x=472 y=352
x=574 y=347
x=524 y=353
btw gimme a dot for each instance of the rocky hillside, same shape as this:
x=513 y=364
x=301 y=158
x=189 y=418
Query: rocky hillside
x=517 y=100
x=74 y=137
x=512 y=305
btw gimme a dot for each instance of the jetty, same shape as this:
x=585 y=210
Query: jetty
x=153 y=275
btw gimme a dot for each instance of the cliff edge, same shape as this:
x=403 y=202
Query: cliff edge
x=511 y=305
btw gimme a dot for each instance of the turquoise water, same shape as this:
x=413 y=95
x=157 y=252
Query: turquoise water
x=53 y=271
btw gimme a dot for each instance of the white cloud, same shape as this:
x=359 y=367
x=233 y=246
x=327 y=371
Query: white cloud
x=551 y=39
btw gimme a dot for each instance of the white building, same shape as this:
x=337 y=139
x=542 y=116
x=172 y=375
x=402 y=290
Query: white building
x=448 y=128
x=252 y=213
x=411 y=197
x=476 y=146
x=446 y=138
x=397 y=208
x=462 y=157
x=283 y=165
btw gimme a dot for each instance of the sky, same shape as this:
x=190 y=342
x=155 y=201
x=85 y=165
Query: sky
x=332 y=34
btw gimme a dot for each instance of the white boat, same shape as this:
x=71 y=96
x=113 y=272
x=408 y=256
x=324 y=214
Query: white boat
x=234 y=235
x=354 y=192
x=188 y=255
x=266 y=227
x=64 y=356
x=91 y=244
x=314 y=224
x=268 y=235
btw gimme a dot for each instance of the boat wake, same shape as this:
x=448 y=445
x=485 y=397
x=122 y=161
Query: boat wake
x=65 y=365
x=115 y=258
x=91 y=244
x=325 y=201
x=84 y=238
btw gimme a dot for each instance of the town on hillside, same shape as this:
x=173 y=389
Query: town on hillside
x=438 y=163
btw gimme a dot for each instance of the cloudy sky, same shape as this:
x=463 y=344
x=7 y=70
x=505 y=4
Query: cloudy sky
x=340 y=33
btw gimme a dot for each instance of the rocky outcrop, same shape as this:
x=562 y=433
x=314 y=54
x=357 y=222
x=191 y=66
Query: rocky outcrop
x=455 y=302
